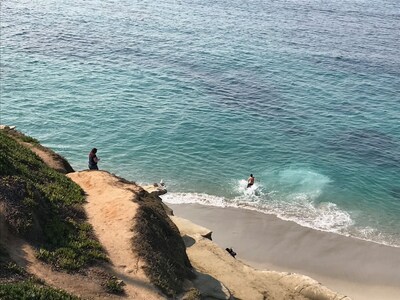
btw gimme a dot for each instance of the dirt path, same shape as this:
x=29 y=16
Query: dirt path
x=76 y=284
x=24 y=255
x=50 y=158
x=110 y=210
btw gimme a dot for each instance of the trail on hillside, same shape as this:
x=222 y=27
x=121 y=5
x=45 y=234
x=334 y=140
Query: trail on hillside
x=76 y=284
x=23 y=254
x=110 y=211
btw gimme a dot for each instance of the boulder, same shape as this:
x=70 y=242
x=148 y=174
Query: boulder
x=210 y=287
x=7 y=127
x=155 y=189
x=188 y=228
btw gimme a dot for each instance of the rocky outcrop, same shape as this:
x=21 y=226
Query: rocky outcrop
x=241 y=280
x=308 y=287
x=155 y=189
x=50 y=158
x=210 y=287
x=6 y=127
x=190 y=228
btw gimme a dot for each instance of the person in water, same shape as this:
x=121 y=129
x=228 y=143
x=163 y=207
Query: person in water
x=93 y=160
x=250 y=181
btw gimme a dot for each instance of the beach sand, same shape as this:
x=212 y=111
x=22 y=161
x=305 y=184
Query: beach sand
x=353 y=267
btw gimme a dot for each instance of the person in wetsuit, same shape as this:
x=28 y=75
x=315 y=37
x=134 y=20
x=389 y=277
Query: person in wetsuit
x=93 y=160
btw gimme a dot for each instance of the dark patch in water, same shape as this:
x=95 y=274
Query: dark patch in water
x=369 y=145
x=395 y=192
x=241 y=90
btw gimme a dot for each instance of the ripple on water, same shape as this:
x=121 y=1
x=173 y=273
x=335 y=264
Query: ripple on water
x=201 y=94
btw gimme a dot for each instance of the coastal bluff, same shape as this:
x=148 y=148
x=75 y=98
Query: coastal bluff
x=123 y=241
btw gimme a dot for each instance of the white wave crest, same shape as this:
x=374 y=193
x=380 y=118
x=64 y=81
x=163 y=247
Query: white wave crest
x=241 y=188
x=324 y=216
x=291 y=195
x=190 y=198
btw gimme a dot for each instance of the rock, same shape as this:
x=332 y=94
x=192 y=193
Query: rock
x=207 y=235
x=211 y=287
x=191 y=229
x=167 y=209
x=7 y=127
x=155 y=189
x=309 y=287
x=120 y=282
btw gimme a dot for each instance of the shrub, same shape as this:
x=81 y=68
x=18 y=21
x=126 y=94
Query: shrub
x=113 y=285
x=45 y=207
x=159 y=244
x=28 y=290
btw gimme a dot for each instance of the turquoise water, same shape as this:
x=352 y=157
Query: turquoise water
x=303 y=94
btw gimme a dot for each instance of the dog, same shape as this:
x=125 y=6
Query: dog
x=231 y=252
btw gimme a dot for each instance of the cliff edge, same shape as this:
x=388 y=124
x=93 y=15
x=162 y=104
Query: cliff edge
x=94 y=235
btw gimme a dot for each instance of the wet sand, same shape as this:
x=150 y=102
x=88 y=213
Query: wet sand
x=356 y=268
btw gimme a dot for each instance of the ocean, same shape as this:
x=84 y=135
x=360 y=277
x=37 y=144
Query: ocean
x=304 y=94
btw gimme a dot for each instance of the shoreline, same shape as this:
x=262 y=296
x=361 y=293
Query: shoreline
x=380 y=237
x=357 y=268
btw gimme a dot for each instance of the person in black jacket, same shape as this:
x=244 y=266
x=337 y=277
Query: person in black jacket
x=93 y=160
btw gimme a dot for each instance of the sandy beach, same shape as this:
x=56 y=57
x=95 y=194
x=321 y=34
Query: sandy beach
x=353 y=267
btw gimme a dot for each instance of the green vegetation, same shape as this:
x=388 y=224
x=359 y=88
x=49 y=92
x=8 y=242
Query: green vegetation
x=20 y=136
x=9 y=271
x=113 y=285
x=28 y=290
x=63 y=165
x=14 y=269
x=16 y=283
x=45 y=207
x=160 y=245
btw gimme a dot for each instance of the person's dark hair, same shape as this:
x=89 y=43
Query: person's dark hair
x=251 y=175
x=94 y=150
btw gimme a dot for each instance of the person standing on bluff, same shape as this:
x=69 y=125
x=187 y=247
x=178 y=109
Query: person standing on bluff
x=93 y=159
